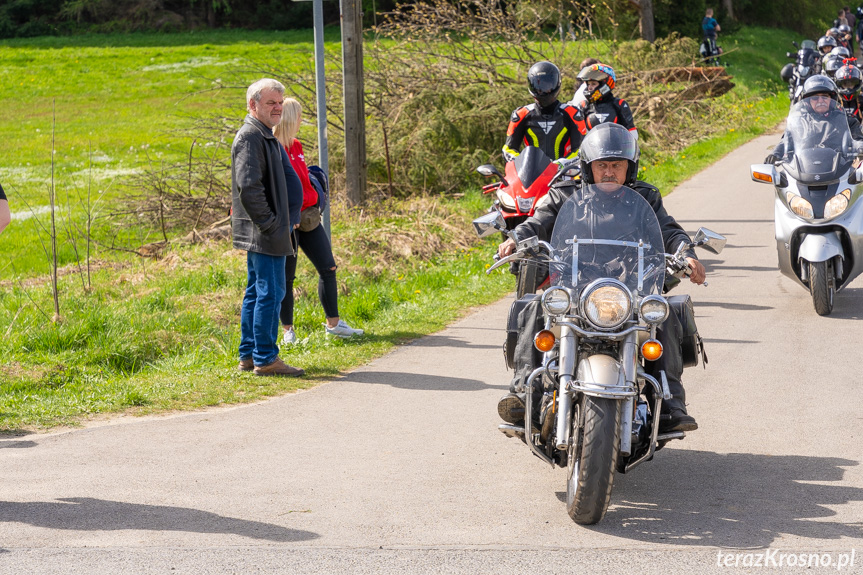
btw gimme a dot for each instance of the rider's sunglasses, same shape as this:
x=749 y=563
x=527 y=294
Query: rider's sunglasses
x=821 y=97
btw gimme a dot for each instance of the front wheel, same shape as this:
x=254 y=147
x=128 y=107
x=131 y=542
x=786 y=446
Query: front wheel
x=592 y=458
x=821 y=284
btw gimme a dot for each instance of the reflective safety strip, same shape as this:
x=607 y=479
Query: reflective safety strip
x=534 y=141
x=509 y=151
x=558 y=141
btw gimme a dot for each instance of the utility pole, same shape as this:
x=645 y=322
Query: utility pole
x=321 y=93
x=355 y=123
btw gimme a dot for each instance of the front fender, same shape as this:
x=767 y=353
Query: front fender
x=821 y=247
x=601 y=370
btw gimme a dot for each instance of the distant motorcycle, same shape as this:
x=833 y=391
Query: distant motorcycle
x=806 y=63
x=818 y=212
x=598 y=409
x=518 y=194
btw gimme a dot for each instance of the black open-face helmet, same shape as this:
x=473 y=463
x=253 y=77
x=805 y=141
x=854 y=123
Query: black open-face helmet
x=848 y=81
x=609 y=142
x=826 y=41
x=543 y=80
x=819 y=84
x=841 y=51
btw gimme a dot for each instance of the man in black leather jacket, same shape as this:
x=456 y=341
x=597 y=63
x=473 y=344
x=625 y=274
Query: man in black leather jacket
x=261 y=225
x=609 y=154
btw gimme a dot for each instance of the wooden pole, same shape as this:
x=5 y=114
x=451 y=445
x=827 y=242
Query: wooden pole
x=355 y=125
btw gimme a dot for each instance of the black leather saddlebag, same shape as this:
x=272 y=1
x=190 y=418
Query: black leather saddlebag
x=691 y=344
x=513 y=328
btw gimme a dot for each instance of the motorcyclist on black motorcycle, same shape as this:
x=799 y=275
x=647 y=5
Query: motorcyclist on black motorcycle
x=547 y=124
x=818 y=92
x=848 y=80
x=609 y=155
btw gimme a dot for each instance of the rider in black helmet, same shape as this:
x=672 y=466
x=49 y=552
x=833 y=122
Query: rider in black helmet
x=609 y=155
x=546 y=124
x=826 y=44
x=848 y=81
x=821 y=96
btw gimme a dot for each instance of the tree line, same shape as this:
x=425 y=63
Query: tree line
x=613 y=19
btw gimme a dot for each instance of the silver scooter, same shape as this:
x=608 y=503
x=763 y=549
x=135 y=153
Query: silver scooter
x=819 y=220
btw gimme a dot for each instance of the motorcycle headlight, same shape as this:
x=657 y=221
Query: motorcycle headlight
x=803 y=70
x=654 y=309
x=606 y=303
x=525 y=204
x=556 y=301
x=506 y=200
x=837 y=204
x=800 y=206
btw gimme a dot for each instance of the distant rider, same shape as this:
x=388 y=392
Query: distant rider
x=710 y=27
x=610 y=154
x=821 y=96
x=848 y=81
x=547 y=124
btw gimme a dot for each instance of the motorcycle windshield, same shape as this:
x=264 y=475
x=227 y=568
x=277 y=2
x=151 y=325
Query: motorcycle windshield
x=818 y=144
x=808 y=45
x=530 y=165
x=607 y=231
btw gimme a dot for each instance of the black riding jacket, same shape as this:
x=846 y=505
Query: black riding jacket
x=608 y=109
x=557 y=130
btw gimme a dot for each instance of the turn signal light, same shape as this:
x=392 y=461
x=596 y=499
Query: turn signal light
x=544 y=341
x=651 y=350
x=763 y=177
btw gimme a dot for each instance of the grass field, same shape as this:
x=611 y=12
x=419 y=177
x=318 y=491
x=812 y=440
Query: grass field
x=156 y=335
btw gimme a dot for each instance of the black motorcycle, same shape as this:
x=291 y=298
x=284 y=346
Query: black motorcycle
x=806 y=64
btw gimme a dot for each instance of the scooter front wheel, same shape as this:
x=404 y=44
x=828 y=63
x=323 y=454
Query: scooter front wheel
x=821 y=284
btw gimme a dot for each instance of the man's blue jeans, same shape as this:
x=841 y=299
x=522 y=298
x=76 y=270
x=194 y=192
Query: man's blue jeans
x=259 y=318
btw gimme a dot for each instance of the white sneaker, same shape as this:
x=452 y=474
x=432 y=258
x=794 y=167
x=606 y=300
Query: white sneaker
x=289 y=337
x=342 y=329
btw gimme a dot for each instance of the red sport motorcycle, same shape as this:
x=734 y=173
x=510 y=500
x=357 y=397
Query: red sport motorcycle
x=519 y=193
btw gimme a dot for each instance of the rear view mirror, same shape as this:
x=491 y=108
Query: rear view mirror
x=710 y=240
x=489 y=224
x=488 y=170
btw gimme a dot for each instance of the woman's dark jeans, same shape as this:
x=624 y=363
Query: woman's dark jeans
x=316 y=245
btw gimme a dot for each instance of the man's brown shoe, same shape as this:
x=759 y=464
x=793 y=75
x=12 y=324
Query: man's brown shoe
x=246 y=364
x=279 y=367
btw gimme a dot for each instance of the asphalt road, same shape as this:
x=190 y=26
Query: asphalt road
x=398 y=467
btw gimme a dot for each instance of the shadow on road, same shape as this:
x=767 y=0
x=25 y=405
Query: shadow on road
x=20 y=444
x=461 y=343
x=734 y=306
x=846 y=304
x=736 y=500
x=88 y=514
x=405 y=380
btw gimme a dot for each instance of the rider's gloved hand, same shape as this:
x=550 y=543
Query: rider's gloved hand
x=771 y=159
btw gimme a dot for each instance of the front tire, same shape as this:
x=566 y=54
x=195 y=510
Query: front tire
x=592 y=458
x=821 y=287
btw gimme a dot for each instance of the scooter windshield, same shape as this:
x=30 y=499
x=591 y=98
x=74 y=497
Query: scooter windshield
x=818 y=144
x=607 y=231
